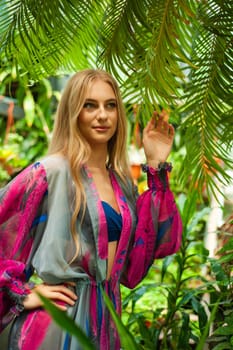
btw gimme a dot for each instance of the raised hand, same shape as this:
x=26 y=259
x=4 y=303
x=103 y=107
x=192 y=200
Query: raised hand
x=60 y=294
x=158 y=136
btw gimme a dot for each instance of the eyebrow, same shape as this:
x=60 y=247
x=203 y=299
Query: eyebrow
x=93 y=100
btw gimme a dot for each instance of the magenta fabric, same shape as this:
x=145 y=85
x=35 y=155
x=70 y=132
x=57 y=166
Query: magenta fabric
x=32 y=236
x=18 y=207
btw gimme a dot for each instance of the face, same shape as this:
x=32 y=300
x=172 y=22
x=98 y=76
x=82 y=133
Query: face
x=98 y=118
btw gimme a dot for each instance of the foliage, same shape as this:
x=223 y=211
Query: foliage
x=127 y=340
x=9 y=158
x=178 y=319
x=222 y=336
x=171 y=53
x=186 y=300
x=23 y=140
x=174 y=55
x=66 y=322
x=39 y=36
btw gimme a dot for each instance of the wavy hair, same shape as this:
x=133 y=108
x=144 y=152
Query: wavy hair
x=68 y=140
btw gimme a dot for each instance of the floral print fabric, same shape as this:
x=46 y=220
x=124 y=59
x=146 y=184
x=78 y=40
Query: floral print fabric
x=36 y=208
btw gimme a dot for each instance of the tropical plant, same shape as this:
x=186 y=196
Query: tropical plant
x=186 y=300
x=174 y=55
x=66 y=322
x=171 y=53
x=26 y=124
x=176 y=320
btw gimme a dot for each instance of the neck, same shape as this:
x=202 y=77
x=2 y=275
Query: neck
x=97 y=159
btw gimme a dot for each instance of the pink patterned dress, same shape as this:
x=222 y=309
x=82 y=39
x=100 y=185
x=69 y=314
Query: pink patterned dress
x=35 y=214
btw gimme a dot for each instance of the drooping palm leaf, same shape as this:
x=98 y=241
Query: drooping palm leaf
x=142 y=39
x=208 y=98
x=39 y=36
x=163 y=52
x=156 y=60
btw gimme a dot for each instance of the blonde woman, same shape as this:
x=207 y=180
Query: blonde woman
x=76 y=219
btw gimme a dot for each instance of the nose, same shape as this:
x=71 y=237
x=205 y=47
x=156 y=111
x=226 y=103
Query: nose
x=102 y=113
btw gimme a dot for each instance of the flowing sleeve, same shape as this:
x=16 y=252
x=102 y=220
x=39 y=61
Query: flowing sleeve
x=158 y=230
x=21 y=203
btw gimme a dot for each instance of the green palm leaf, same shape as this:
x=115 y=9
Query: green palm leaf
x=40 y=35
x=142 y=40
x=171 y=53
x=208 y=100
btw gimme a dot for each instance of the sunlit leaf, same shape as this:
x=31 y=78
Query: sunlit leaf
x=127 y=340
x=66 y=323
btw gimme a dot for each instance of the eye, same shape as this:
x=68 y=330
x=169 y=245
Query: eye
x=111 y=105
x=89 y=105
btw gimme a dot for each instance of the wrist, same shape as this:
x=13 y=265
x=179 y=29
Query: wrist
x=153 y=164
x=162 y=166
x=157 y=178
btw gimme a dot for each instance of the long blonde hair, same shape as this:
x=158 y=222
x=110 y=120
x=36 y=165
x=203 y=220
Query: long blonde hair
x=68 y=140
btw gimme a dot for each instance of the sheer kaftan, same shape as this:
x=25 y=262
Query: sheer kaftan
x=35 y=213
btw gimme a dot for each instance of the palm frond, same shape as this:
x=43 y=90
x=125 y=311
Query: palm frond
x=165 y=53
x=143 y=39
x=39 y=35
x=209 y=99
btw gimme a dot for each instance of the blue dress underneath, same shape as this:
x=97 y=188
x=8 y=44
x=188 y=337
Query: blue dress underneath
x=114 y=222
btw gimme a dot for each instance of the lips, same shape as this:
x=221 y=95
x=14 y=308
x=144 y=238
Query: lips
x=101 y=128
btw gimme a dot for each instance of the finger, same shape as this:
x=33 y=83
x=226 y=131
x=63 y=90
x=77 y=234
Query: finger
x=64 y=290
x=73 y=284
x=156 y=115
x=171 y=130
x=157 y=118
x=61 y=297
x=160 y=124
x=165 y=126
x=59 y=292
x=150 y=125
x=165 y=115
x=60 y=306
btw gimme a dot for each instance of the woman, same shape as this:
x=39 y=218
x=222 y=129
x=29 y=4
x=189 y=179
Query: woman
x=76 y=219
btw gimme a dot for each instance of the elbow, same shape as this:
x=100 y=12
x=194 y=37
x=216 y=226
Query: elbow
x=132 y=280
x=166 y=249
x=130 y=284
